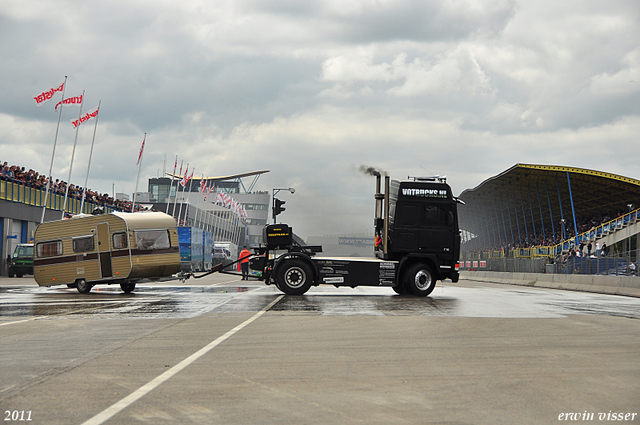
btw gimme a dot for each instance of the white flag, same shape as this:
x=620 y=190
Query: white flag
x=46 y=96
x=70 y=101
x=86 y=117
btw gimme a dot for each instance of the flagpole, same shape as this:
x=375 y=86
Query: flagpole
x=73 y=153
x=186 y=213
x=175 y=164
x=184 y=179
x=175 y=199
x=199 y=203
x=53 y=154
x=133 y=206
x=84 y=188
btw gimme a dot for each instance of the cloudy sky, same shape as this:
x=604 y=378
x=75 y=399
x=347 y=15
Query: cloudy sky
x=312 y=90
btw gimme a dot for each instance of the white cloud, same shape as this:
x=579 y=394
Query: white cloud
x=312 y=90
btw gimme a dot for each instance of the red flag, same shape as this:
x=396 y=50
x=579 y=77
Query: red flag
x=46 y=96
x=141 y=150
x=86 y=117
x=184 y=179
x=203 y=186
x=211 y=187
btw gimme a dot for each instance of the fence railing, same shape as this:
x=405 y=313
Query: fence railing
x=619 y=264
x=18 y=192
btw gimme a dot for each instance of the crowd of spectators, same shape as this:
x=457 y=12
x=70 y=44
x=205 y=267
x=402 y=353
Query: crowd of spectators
x=550 y=239
x=31 y=178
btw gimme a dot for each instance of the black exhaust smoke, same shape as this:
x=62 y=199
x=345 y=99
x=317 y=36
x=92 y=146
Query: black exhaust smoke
x=371 y=171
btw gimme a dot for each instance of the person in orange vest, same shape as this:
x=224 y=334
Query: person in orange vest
x=244 y=262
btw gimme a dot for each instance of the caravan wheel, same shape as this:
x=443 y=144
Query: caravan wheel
x=83 y=286
x=128 y=287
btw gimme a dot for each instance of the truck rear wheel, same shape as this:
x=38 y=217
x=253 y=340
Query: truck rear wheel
x=420 y=280
x=399 y=289
x=294 y=277
x=83 y=286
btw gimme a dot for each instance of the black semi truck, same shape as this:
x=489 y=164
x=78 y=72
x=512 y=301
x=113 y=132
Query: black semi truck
x=417 y=242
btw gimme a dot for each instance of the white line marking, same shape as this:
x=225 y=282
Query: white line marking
x=116 y=408
x=20 y=321
x=223 y=283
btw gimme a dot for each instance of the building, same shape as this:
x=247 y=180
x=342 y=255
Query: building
x=202 y=213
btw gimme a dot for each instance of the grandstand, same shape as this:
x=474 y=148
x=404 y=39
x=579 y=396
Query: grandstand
x=546 y=212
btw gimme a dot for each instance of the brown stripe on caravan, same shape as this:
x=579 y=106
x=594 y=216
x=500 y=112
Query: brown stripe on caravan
x=66 y=259
x=94 y=256
x=171 y=250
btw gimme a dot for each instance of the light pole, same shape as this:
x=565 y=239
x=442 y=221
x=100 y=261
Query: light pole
x=630 y=208
x=276 y=204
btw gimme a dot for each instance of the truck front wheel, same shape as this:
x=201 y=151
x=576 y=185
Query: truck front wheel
x=420 y=280
x=294 y=277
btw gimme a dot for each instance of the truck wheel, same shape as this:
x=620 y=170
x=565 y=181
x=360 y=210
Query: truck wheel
x=399 y=289
x=11 y=273
x=420 y=280
x=127 y=287
x=294 y=277
x=83 y=286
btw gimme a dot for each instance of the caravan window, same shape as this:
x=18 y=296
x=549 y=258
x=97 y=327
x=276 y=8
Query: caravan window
x=152 y=239
x=119 y=240
x=83 y=244
x=49 y=249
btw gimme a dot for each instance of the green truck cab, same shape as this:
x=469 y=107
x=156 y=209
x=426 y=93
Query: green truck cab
x=22 y=260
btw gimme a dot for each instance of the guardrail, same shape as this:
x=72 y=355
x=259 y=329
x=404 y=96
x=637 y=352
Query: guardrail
x=18 y=192
x=618 y=264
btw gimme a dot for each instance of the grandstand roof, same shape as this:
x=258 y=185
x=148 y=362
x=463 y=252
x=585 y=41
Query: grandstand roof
x=513 y=197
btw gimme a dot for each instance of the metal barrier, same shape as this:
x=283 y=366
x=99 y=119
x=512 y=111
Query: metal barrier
x=18 y=192
x=618 y=264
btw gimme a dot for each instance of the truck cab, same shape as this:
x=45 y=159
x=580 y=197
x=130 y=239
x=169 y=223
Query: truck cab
x=421 y=225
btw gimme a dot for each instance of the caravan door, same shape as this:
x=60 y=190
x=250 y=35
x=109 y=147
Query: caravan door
x=104 y=250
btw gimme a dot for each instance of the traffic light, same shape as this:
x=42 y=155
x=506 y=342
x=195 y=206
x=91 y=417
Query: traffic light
x=277 y=207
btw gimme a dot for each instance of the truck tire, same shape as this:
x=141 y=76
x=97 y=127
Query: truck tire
x=83 y=286
x=420 y=280
x=399 y=289
x=11 y=273
x=128 y=287
x=294 y=277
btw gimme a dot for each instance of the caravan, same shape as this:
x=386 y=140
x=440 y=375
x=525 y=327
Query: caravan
x=120 y=248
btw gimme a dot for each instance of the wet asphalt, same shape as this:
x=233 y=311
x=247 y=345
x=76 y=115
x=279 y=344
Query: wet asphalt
x=470 y=353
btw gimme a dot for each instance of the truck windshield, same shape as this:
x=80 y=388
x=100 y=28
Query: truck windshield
x=23 y=252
